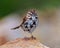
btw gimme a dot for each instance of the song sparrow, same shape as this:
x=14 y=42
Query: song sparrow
x=30 y=22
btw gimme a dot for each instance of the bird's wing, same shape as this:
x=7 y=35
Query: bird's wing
x=24 y=19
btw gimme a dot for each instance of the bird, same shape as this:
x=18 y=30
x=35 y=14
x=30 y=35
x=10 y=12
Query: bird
x=29 y=23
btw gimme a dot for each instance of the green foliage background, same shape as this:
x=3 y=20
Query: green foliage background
x=9 y=6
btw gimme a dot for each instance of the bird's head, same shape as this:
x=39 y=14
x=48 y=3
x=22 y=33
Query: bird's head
x=32 y=12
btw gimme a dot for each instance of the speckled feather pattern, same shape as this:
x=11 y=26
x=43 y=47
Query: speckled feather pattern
x=30 y=23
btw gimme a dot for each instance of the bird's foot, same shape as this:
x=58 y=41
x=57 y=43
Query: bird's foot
x=32 y=37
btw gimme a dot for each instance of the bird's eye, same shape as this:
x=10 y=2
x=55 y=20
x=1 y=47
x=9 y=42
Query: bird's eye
x=36 y=17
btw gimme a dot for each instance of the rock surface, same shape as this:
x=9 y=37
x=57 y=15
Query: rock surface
x=24 y=43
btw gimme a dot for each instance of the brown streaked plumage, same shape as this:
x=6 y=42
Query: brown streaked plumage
x=30 y=22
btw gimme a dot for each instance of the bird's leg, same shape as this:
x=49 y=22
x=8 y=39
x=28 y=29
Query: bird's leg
x=32 y=37
x=26 y=38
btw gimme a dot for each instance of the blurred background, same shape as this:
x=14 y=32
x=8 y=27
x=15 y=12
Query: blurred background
x=48 y=30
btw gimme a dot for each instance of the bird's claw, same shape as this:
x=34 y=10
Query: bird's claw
x=32 y=37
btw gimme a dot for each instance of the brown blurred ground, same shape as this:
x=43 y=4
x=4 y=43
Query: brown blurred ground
x=22 y=43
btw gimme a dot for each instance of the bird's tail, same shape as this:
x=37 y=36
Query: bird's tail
x=15 y=27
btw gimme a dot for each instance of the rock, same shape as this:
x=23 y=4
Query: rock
x=23 y=43
x=3 y=40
